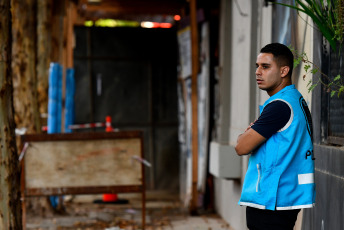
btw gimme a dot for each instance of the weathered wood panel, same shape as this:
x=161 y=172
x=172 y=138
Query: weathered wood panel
x=83 y=163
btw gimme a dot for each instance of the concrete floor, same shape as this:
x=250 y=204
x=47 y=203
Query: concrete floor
x=163 y=212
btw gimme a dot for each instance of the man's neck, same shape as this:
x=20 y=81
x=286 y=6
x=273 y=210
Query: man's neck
x=279 y=88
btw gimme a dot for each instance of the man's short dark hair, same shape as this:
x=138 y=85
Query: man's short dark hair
x=282 y=55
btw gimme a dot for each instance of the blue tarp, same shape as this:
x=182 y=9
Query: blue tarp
x=55 y=98
x=69 y=105
x=55 y=104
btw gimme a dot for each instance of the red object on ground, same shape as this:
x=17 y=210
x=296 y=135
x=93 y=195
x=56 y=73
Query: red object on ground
x=109 y=197
x=108 y=124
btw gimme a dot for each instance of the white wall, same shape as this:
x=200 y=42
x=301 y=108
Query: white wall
x=239 y=100
x=304 y=43
x=226 y=201
x=263 y=38
x=238 y=50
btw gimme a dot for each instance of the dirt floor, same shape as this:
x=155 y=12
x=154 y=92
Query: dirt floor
x=163 y=212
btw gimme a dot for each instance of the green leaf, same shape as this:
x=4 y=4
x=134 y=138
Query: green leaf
x=311 y=87
x=341 y=89
x=315 y=7
x=297 y=62
x=337 y=78
x=320 y=22
x=333 y=93
x=314 y=71
x=310 y=82
x=306 y=68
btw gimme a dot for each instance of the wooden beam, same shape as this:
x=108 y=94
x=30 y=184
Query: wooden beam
x=58 y=11
x=71 y=19
x=194 y=101
x=43 y=29
x=119 y=8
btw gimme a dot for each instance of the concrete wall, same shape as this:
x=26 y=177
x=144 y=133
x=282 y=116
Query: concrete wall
x=241 y=74
x=304 y=44
x=237 y=58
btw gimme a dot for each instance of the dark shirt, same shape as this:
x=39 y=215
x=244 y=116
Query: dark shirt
x=273 y=118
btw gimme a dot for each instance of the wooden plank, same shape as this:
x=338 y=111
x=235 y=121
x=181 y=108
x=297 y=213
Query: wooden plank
x=194 y=99
x=71 y=15
x=43 y=52
x=57 y=19
x=81 y=136
x=82 y=190
x=83 y=163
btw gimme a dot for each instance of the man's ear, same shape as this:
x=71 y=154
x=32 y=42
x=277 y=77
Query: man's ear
x=284 y=71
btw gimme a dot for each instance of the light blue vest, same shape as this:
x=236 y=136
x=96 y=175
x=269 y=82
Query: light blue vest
x=280 y=174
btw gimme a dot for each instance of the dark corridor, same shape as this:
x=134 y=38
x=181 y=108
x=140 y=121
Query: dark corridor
x=130 y=74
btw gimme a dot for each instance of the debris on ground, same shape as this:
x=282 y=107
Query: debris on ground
x=161 y=214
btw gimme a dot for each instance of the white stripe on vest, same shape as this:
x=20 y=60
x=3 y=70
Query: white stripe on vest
x=307 y=178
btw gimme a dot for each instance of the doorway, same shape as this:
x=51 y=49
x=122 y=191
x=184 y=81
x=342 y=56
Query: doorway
x=130 y=74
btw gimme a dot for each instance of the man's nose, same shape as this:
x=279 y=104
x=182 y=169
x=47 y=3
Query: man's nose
x=258 y=72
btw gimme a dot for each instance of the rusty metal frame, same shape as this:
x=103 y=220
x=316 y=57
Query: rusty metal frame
x=29 y=192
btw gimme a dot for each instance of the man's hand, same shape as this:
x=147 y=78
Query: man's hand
x=248 y=141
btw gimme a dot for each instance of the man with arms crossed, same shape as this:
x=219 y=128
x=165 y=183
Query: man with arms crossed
x=280 y=177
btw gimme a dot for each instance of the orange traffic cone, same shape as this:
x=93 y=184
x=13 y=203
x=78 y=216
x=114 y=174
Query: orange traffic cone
x=108 y=125
x=109 y=197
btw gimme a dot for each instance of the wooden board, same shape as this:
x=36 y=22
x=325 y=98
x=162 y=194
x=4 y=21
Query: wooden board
x=62 y=161
x=83 y=163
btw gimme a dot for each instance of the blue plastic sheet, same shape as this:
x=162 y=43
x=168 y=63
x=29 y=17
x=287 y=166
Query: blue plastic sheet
x=69 y=106
x=55 y=98
x=55 y=107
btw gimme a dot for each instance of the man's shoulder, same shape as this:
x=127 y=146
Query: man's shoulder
x=274 y=116
x=291 y=92
x=289 y=97
x=278 y=105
